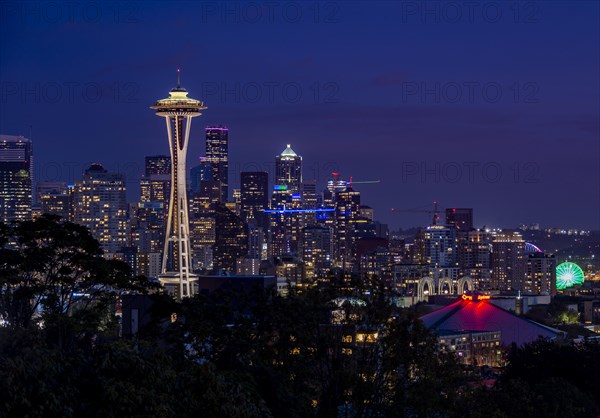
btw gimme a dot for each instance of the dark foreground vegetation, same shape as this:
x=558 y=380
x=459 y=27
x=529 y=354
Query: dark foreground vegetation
x=240 y=355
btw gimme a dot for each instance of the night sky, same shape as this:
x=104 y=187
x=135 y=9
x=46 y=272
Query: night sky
x=494 y=107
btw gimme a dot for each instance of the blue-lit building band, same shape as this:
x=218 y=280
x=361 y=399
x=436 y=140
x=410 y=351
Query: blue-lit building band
x=284 y=211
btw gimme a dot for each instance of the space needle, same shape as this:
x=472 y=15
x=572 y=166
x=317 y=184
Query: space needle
x=178 y=111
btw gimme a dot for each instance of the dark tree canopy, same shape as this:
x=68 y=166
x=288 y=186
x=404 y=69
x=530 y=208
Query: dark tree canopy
x=49 y=268
x=337 y=350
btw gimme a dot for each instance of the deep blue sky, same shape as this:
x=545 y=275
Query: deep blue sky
x=378 y=85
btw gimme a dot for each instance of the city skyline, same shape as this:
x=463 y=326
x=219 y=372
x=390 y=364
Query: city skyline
x=422 y=214
x=377 y=208
x=541 y=135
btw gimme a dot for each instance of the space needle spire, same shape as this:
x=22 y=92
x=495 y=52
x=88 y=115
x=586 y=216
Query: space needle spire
x=178 y=111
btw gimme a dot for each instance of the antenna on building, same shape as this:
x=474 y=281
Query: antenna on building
x=178 y=78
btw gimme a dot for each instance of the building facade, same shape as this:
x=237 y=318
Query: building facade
x=441 y=251
x=254 y=197
x=231 y=239
x=16 y=176
x=217 y=155
x=460 y=218
x=53 y=198
x=508 y=261
x=100 y=204
x=541 y=274
x=317 y=251
x=288 y=170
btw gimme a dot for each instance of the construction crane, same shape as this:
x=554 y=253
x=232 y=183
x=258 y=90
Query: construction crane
x=351 y=182
x=435 y=212
x=338 y=182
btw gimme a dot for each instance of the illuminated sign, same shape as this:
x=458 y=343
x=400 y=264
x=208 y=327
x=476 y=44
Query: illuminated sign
x=476 y=297
x=280 y=187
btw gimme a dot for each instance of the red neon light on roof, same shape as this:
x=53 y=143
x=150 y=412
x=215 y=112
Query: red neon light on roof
x=476 y=297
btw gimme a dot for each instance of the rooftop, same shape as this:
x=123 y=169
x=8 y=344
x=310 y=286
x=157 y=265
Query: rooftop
x=289 y=152
x=480 y=315
x=13 y=138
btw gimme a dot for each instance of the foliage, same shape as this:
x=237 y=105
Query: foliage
x=543 y=378
x=339 y=349
x=301 y=364
x=49 y=268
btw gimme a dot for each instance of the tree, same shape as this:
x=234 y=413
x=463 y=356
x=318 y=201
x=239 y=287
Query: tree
x=376 y=360
x=51 y=269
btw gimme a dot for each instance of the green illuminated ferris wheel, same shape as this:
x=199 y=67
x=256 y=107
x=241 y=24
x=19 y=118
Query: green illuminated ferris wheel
x=567 y=275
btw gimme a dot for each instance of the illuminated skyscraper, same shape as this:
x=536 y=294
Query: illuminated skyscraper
x=178 y=111
x=347 y=210
x=16 y=166
x=309 y=201
x=202 y=224
x=217 y=145
x=441 y=251
x=285 y=222
x=100 y=204
x=285 y=227
x=288 y=170
x=254 y=197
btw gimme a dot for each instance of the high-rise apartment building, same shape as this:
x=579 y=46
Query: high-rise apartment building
x=441 y=250
x=508 y=261
x=474 y=257
x=540 y=274
x=100 y=204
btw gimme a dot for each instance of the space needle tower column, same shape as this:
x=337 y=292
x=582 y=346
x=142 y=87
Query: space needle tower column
x=178 y=111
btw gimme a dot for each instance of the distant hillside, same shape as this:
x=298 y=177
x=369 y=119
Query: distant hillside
x=567 y=247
